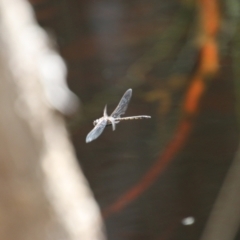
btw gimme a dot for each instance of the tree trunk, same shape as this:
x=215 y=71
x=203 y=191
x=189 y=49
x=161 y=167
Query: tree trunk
x=43 y=193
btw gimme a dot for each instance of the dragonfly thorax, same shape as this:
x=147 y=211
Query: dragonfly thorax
x=109 y=119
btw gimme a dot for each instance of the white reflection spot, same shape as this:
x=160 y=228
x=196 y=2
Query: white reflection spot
x=188 y=221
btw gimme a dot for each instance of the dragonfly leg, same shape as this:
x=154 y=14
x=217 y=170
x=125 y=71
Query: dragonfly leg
x=113 y=123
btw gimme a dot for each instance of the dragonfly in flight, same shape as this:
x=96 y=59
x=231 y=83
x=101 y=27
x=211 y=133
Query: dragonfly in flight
x=114 y=118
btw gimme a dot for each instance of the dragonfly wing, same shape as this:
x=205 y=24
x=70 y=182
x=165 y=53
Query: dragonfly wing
x=97 y=130
x=123 y=104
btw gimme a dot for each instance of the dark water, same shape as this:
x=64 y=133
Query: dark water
x=149 y=175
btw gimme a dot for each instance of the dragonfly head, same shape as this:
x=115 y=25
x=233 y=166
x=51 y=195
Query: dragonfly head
x=95 y=122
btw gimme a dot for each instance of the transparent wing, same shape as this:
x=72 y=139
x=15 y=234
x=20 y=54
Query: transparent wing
x=98 y=129
x=123 y=104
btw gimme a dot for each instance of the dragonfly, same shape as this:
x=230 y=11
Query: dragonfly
x=114 y=118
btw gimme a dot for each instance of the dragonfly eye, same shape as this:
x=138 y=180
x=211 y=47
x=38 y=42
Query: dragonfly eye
x=95 y=122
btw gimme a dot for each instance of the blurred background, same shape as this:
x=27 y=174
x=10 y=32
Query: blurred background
x=174 y=176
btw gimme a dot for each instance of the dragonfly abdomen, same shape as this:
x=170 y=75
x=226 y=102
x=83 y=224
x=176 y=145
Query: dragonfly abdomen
x=132 y=118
